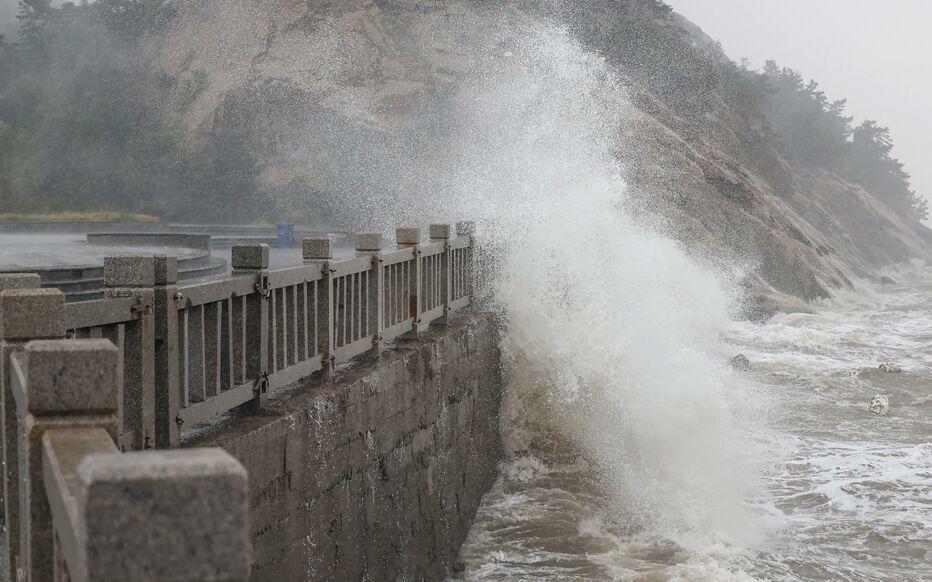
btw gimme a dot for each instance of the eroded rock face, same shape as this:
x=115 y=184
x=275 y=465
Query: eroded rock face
x=344 y=95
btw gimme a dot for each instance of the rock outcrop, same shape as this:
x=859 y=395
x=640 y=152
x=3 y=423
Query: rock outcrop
x=301 y=80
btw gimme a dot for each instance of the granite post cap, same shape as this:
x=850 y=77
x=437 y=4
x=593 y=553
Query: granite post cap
x=71 y=377
x=369 y=241
x=164 y=515
x=439 y=231
x=129 y=271
x=465 y=228
x=10 y=281
x=317 y=248
x=166 y=270
x=32 y=314
x=408 y=236
x=250 y=257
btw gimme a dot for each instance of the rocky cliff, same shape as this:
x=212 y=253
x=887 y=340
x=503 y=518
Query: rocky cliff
x=323 y=86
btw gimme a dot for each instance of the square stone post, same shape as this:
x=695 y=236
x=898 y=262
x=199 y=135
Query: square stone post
x=441 y=232
x=9 y=281
x=252 y=261
x=370 y=244
x=180 y=515
x=25 y=314
x=411 y=237
x=167 y=395
x=319 y=251
x=134 y=276
x=467 y=229
x=63 y=384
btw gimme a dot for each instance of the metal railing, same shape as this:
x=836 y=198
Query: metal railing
x=195 y=351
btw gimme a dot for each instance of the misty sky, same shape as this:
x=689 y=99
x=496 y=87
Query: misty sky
x=875 y=53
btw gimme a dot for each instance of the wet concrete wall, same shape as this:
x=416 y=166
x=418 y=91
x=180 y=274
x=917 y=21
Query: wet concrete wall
x=377 y=475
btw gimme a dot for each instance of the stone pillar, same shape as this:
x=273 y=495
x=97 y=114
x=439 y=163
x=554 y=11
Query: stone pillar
x=9 y=281
x=134 y=276
x=179 y=515
x=25 y=314
x=441 y=232
x=319 y=251
x=67 y=384
x=167 y=395
x=252 y=261
x=411 y=237
x=467 y=229
x=370 y=244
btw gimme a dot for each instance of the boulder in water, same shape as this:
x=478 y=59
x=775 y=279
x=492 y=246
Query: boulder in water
x=889 y=367
x=740 y=363
x=887 y=281
x=880 y=404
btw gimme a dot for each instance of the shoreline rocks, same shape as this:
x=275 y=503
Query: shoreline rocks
x=879 y=405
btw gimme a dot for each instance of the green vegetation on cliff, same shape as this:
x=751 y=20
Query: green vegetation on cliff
x=87 y=123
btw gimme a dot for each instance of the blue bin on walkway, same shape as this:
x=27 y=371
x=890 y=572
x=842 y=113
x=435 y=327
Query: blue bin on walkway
x=285 y=235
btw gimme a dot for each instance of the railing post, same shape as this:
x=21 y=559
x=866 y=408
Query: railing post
x=411 y=237
x=253 y=261
x=58 y=384
x=467 y=228
x=319 y=251
x=180 y=515
x=9 y=281
x=134 y=276
x=167 y=395
x=25 y=314
x=370 y=243
x=441 y=232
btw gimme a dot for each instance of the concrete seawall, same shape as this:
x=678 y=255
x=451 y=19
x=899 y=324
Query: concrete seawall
x=377 y=475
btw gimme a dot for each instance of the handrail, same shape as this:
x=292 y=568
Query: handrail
x=195 y=351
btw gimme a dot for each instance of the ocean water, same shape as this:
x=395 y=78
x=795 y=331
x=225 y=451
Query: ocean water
x=838 y=493
x=634 y=451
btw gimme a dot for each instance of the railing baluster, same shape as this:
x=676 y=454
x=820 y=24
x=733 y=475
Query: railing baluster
x=301 y=321
x=184 y=384
x=253 y=261
x=212 y=347
x=371 y=293
x=316 y=309
x=226 y=339
x=281 y=346
x=238 y=338
x=134 y=276
x=441 y=232
x=166 y=334
x=319 y=251
x=196 y=375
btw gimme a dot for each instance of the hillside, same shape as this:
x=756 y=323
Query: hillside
x=336 y=101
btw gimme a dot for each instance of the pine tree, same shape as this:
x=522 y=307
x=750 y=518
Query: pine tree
x=33 y=16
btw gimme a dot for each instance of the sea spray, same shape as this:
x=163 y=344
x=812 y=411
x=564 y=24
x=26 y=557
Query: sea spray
x=611 y=331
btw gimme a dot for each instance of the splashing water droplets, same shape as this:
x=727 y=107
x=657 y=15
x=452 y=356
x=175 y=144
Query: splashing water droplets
x=611 y=331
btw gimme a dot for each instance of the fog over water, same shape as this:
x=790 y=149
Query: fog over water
x=876 y=54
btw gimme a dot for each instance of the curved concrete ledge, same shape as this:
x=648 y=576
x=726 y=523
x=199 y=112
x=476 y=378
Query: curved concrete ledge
x=379 y=474
x=165 y=239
